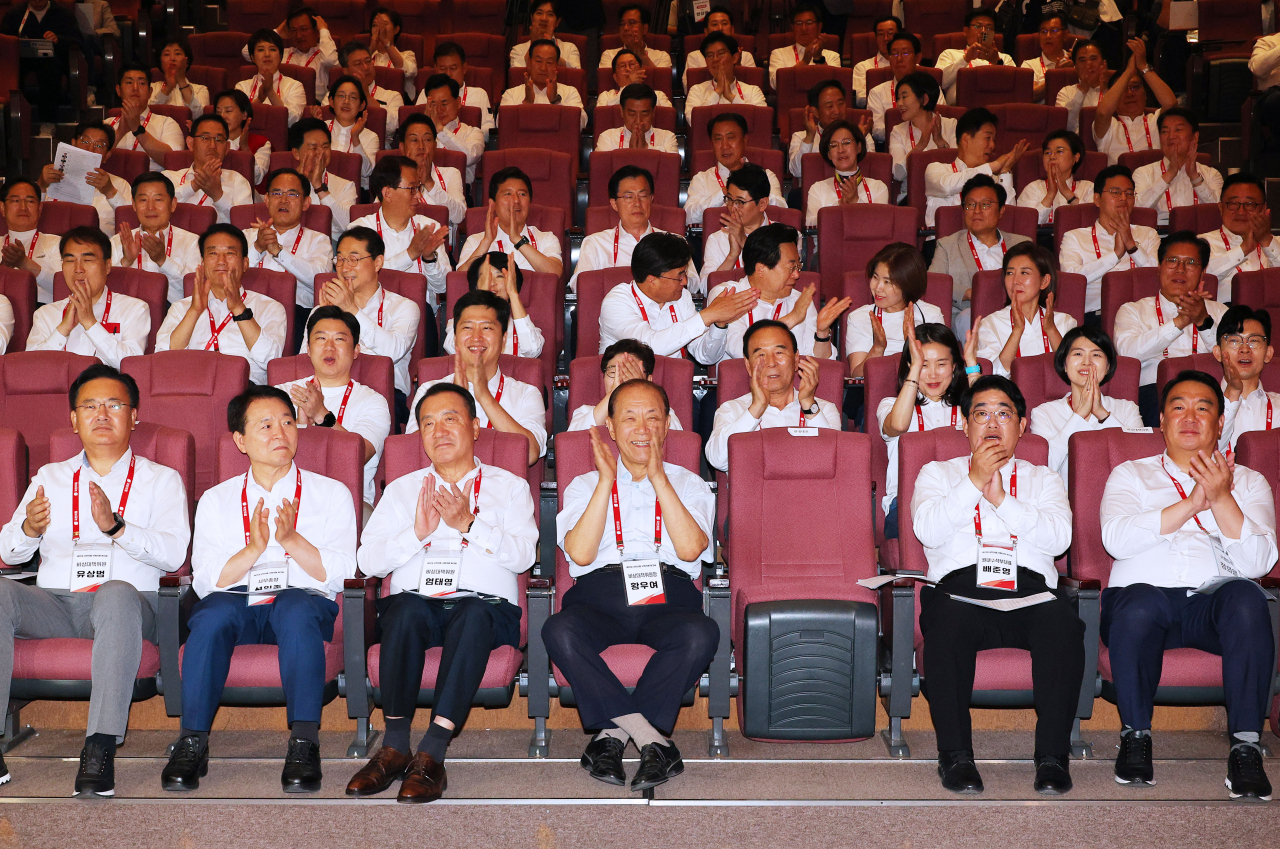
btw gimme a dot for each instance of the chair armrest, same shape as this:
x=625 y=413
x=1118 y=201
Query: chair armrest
x=174 y=603
x=717 y=600
x=171 y=581
x=545 y=566
x=1267 y=582
x=541 y=600
x=1082 y=583
x=897 y=625
x=360 y=620
x=1086 y=595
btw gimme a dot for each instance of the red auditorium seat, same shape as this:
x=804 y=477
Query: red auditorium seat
x=668 y=218
x=1079 y=215
x=1031 y=168
x=33 y=395
x=483 y=50
x=57 y=217
x=188 y=216
x=1198 y=218
x=675 y=375
x=592 y=287
x=849 y=237
x=543 y=297
x=860 y=39
x=876 y=76
x=221 y=49
x=606 y=118
x=552 y=174
x=1169 y=368
x=652 y=40
x=759 y=126
x=932 y=18
x=128 y=165
x=1136 y=159
x=1027 y=47
x=989 y=294
x=574 y=77
x=247 y=17
x=317 y=217
x=786 y=39
x=757 y=76
x=477 y=76
x=551 y=212
x=995 y=84
x=715 y=278
x=212 y=78
x=522 y=369
x=541 y=127
x=438 y=213
x=917 y=162
x=1022 y=220
x=1021 y=119
x=776 y=214
x=20 y=288
x=854 y=285
x=793 y=84
x=1086 y=125
x=1257 y=289
x=444 y=157
x=149 y=286
x=373 y=371
x=956 y=40
x=1039 y=381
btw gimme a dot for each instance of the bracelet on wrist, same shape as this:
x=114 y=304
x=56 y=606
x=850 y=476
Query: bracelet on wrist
x=973 y=369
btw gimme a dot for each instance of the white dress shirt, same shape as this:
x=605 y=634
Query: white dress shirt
x=1155 y=193
x=464 y=139
x=501 y=544
x=880 y=100
x=446 y=191
x=388 y=328
x=199 y=97
x=1056 y=421
x=408 y=62
x=322 y=58
x=900 y=141
x=342 y=196
x=131 y=316
x=522 y=402
x=1039 y=66
x=1073 y=100
x=636 y=501
x=159 y=127
x=291 y=92
x=797 y=148
x=942 y=516
x=804 y=331
x=1137 y=492
x=390 y=101
x=944 y=180
x=1035 y=192
x=367 y=146
x=1139 y=333
x=46 y=253
x=106 y=206
x=181 y=258
x=734 y=416
x=397 y=258
x=613 y=96
x=568 y=95
x=269 y=315
x=477 y=97
x=823 y=194
x=790 y=56
x=952 y=60
x=598 y=252
x=1079 y=255
x=1248 y=413
x=156 y=530
x=666 y=328
x=704 y=94
x=519 y=58
x=660 y=58
x=860 y=76
x=715 y=250
x=236 y=191
x=585 y=417
x=303 y=253
x=858 y=337
x=366 y=413
x=997 y=327
x=541 y=241
x=619 y=138
x=936 y=414
x=707 y=189
x=521 y=332
x=261 y=159
x=1143 y=134
x=326 y=519
x=1264 y=63
x=697 y=60
x=6 y=323
x=1226 y=258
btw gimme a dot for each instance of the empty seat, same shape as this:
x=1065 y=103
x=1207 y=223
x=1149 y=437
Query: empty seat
x=990 y=84
x=543 y=127
x=1198 y=218
x=1021 y=119
x=1257 y=289
x=33 y=395
x=849 y=236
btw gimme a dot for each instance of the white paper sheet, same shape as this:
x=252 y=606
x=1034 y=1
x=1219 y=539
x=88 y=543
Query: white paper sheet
x=74 y=164
x=1007 y=604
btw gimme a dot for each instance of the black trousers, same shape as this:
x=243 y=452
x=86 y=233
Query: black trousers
x=594 y=615
x=955 y=631
x=467 y=629
x=1149 y=404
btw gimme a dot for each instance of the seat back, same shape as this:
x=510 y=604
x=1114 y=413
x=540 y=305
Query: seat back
x=1020 y=119
x=793 y=85
x=222 y=49
x=1055 y=80
x=346 y=18
x=606 y=119
x=1122 y=287
x=860 y=38
x=317 y=217
x=20 y=288
x=849 y=236
x=592 y=287
x=191 y=217
x=552 y=173
x=1079 y=215
x=733 y=382
x=1198 y=218
x=1169 y=369
x=279 y=286
x=57 y=217
x=989 y=294
x=611 y=38
x=854 y=285
x=543 y=297
x=33 y=395
x=375 y=372
x=1022 y=220
x=484 y=50
x=786 y=39
x=345 y=165
x=1230 y=21
x=668 y=218
x=13 y=458
x=1039 y=381
x=411 y=285
x=246 y=16
x=1031 y=168
x=770 y=159
x=128 y=165
x=759 y=125
x=212 y=78
x=877 y=166
x=168 y=446
x=917 y=162
x=1260 y=450
x=1133 y=160
x=673 y=374
x=149 y=286
x=995 y=84
x=1257 y=289
x=541 y=126
x=522 y=369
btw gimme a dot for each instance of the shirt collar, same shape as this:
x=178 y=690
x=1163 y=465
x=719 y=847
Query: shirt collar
x=288 y=479
x=725 y=172
x=624 y=476
x=461 y=482
x=119 y=465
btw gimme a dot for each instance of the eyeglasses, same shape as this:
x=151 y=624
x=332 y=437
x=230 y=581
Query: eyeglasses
x=341 y=260
x=1183 y=261
x=415 y=187
x=973 y=205
x=207 y=138
x=1246 y=205
x=841 y=145
x=112 y=407
x=1120 y=193
x=728 y=201
x=1051 y=31
x=631 y=197
x=682 y=278
x=984 y=416
x=902 y=54
x=277 y=194
x=95 y=145
x=1235 y=343
x=347 y=98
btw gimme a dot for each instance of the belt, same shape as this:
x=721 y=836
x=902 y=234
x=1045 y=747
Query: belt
x=667 y=569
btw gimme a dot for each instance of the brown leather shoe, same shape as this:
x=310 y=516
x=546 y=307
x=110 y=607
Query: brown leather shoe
x=375 y=776
x=424 y=781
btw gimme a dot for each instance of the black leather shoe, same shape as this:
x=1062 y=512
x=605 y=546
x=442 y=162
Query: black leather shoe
x=959 y=773
x=602 y=759
x=1133 y=764
x=188 y=763
x=1246 y=779
x=301 y=767
x=658 y=764
x=4 y=771
x=97 y=774
x=1053 y=775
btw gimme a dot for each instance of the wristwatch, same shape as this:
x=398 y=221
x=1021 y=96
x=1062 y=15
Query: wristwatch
x=247 y=315
x=818 y=338
x=328 y=421
x=115 y=529
x=324 y=187
x=1206 y=325
x=524 y=240
x=559 y=98
x=1133 y=250
x=812 y=411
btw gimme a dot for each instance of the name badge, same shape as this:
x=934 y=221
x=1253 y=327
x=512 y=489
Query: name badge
x=802 y=431
x=1221 y=558
x=90 y=567
x=642 y=580
x=439 y=574
x=998 y=566
x=267 y=579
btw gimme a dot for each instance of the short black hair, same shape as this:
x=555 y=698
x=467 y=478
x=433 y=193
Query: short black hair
x=1097 y=336
x=224 y=229
x=634 y=347
x=446 y=388
x=210 y=117
x=730 y=118
x=629 y=172
x=153 y=177
x=638 y=91
x=638 y=381
x=289 y=172
x=972 y=122
x=939 y=334
x=1073 y=141
x=811 y=8
x=1193 y=376
x=261 y=35
x=544 y=42
x=983 y=181
x=86 y=235
x=906 y=269
x=998 y=383
x=298 y=132
x=925 y=89
x=351 y=47
x=498 y=262
x=178 y=41
x=11 y=184
x=765 y=324
x=886 y=19
x=1232 y=321
x=625 y=51
x=415 y=119
x=392 y=15
x=348 y=79
x=106 y=129
x=238 y=407
x=909 y=37
x=329 y=311
x=1081 y=44
x=1245 y=178
x=1042 y=258
x=301 y=11
x=436 y=81
x=538 y=4
x=717 y=37
x=979 y=12
x=723 y=10
x=136 y=67
x=1111 y=172
x=501 y=176
x=764 y=245
x=241 y=100
x=100 y=371
x=658 y=253
x=1178 y=112
x=386 y=173
x=1185 y=237
x=486 y=299
x=753 y=180
x=373 y=243
x=634 y=7
x=449 y=48
x=812 y=95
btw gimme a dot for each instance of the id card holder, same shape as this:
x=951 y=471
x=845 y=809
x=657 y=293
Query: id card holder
x=802 y=431
x=998 y=565
x=439 y=574
x=642 y=579
x=267 y=579
x=90 y=567
x=1221 y=558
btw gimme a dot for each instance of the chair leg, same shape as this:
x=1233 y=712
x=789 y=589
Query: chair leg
x=894 y=740
x=1080 y=747
x=366 y=734
x=14 y=731
x=717 y=742
x=540 y=742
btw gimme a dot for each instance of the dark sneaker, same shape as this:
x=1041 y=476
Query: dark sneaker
x=1133 y=764
x=97 y=774
x=1246 y=779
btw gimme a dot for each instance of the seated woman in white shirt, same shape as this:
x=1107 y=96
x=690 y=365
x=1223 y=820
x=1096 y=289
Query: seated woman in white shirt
x=175 y=89
x=922 y=128
x=932 y=376
x=1086 y=361
x=843 y=147
x=1029 y=325
x=347 y=130
x=494 y=274
x=626 y=359
x=234 y=107
x=1063 y=151
x=897 y=277
x=384 y=28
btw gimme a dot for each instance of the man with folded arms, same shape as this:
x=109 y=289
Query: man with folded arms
x=105 y=511
x=281 y=243
x=274 y=526
x=991 y=527
x=1189 y=529
x=451 y=539
x=157 y=245
x=661 y=517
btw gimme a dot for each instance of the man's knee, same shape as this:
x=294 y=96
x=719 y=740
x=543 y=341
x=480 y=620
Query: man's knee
x=1138 y=609
x=115 y=598
x=405 y=613
x=217 y=615
x=1243 y=609
x=698 y=634
x=562 y=633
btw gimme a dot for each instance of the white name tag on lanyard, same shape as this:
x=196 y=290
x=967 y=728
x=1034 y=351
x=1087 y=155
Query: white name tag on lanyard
x=90 y=567
x=642 y=580
x=267 y=579
x=439 y=574
x=1221 y=558
x=998 y=566
x=802 y=431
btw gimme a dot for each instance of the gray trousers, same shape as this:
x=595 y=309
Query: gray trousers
x=117 y=618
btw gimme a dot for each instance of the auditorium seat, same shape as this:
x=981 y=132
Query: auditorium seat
x=523 y=369
x=1207 y=363
x=757 y=76
x=989 y=294
x=373 y=371
x=876 y=76
x=33 y=395
x=477 y=76
x=1026 y=47
x=1198 y=218
x=1086 y=126
x=240 y=161
x=995 y=84
x=248 y=16
x=673 y=374
x=57 y=217
x=279 y=286
x=1260 y=451
x=917 y=162
x=194 y=218
x=541 y=126
x=149 y=286
x=793 y=85
x=1039 y=381
x=1024 y=120
x=661 y=82
x=552 y=174
x=376 y=121
x=775 y=214
x=746 y=44
x=955 y=39
x=214 y=79
x=768 y=158
x=20 y=288
x=849 y=237
x=1079 y=215
x=543 y=298
x=316 y=217
x=1258 y=289
x=592 y=287
x=128 y=165
x=759 y=127
x=860 y=39
x=1031 y=168
x=1122 y=287
x=1022 y=220
x=665 y=168
x=221 y=49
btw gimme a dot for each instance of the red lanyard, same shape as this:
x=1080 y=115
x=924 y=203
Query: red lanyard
x=622 y=134
x=515 y=341
x=293 y=252
x=215 y=332
x=1146 y=128
x=315 y=51
x=382 y=303
x=377 y=220
x=106 y=313
x=257 y=81
x=75 y=498
x=835 y=181
x=346 y=396
x=974 y=250
x=720 y=180
x=1097 y=249
x=657 y=517
x=497 y=397
x=35 y=237
x=351 y=138
x=1044 y=334
x=1195 y=334
x=533 y=240
x=1268 y=412
x=920 y=417
x=1168 y=201
x=203 y=197
x=1182 y=493
x=168 y=249
x=244 y=503
x=465 y=92
x=645 y=315
x=1227 y=244
x=977 y=508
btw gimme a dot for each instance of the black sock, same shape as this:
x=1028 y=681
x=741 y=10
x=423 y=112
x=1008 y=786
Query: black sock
x=397 y=734
x=436 y=741
x=306 y=730
x=203 y=735
x=106 y=741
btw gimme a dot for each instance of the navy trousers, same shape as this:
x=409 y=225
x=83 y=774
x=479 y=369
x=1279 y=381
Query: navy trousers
x=1140 y=622
x=297 y=621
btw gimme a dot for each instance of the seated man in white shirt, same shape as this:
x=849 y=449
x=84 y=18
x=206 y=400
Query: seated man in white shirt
x=331 y=398
x=628 y=69
x=413 y=241
x=310 y=46
x=638 y=102
x=1244 y=349
x=1190 y=519
x=281 y=243
x=496 y=273
x=991 y=527
x=904 y=59
x=601 y=611
x=205 y=181
x=441 y=95
x=886 y=28
x=1178 y=321
x=719 y=19
x=746 y=202
x=827 y=103
x=728 y=133
x=268 y=86
x=1244 y=241
x=771 y=262
x=480 y=320
x=1091 y=75
x=450 y=59
x=109 y=191
x=311 y=143
x=723 y=87
x=388 y=322
x=356 y=60
x=772 y=359
x=622 y=361
x=1053 y=31
x=137 y=127
x=438 y=185
x=633 y=26
x=471 y=525
x=141 y=532
x=806 y=26
x=1178 y=179
x=658 y=310
x=975 y=147
x=544 y=17
x=275 y=527
x=25 y=247
x=1121 y=123
x=157 y=245
x=507 y=228
x=93 y=321
x=220 y=315
x=980 y=49
x=540 y=84
x=1062 y=154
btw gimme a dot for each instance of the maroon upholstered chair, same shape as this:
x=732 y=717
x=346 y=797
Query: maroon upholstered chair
x=1039 y=381
x=989 y=294
x=33 y=395
x=793 y=85
x=1079 y=215
x=20 y=288
x=777 y=214
x=1257 y=289
x=757 y=76
x=665 y=168
x=849 y=236
x=661 y=82
x=373 y=371
x=541 y=127
x=592 y=287
x=57 y=217
x=1198 y=218
x=1260 y=451
x=1170 y=367
x=1121 y=287
x=759 y=125
x=569 y=77
x=190 y=217
x=746 y=44
x=995 y=84
x=1022 y=220
x=128 y=165
x=411 y=285
x=543 y=297
x=668 y=218
x=13 y=459
x=1021 y=119
x=149 y=286
x=484 y=50
x=917 y=162
x=222 y=49
x=552 y=173
x=250 y=16
x=673 y=374
x=1134 y=160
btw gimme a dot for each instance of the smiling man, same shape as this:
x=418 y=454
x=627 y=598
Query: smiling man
x=281 y=243
x=157 y=245
x=25 y=247
x=1244 y=349
x=1244 y=241
x=540 y=85
x=206 y=181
